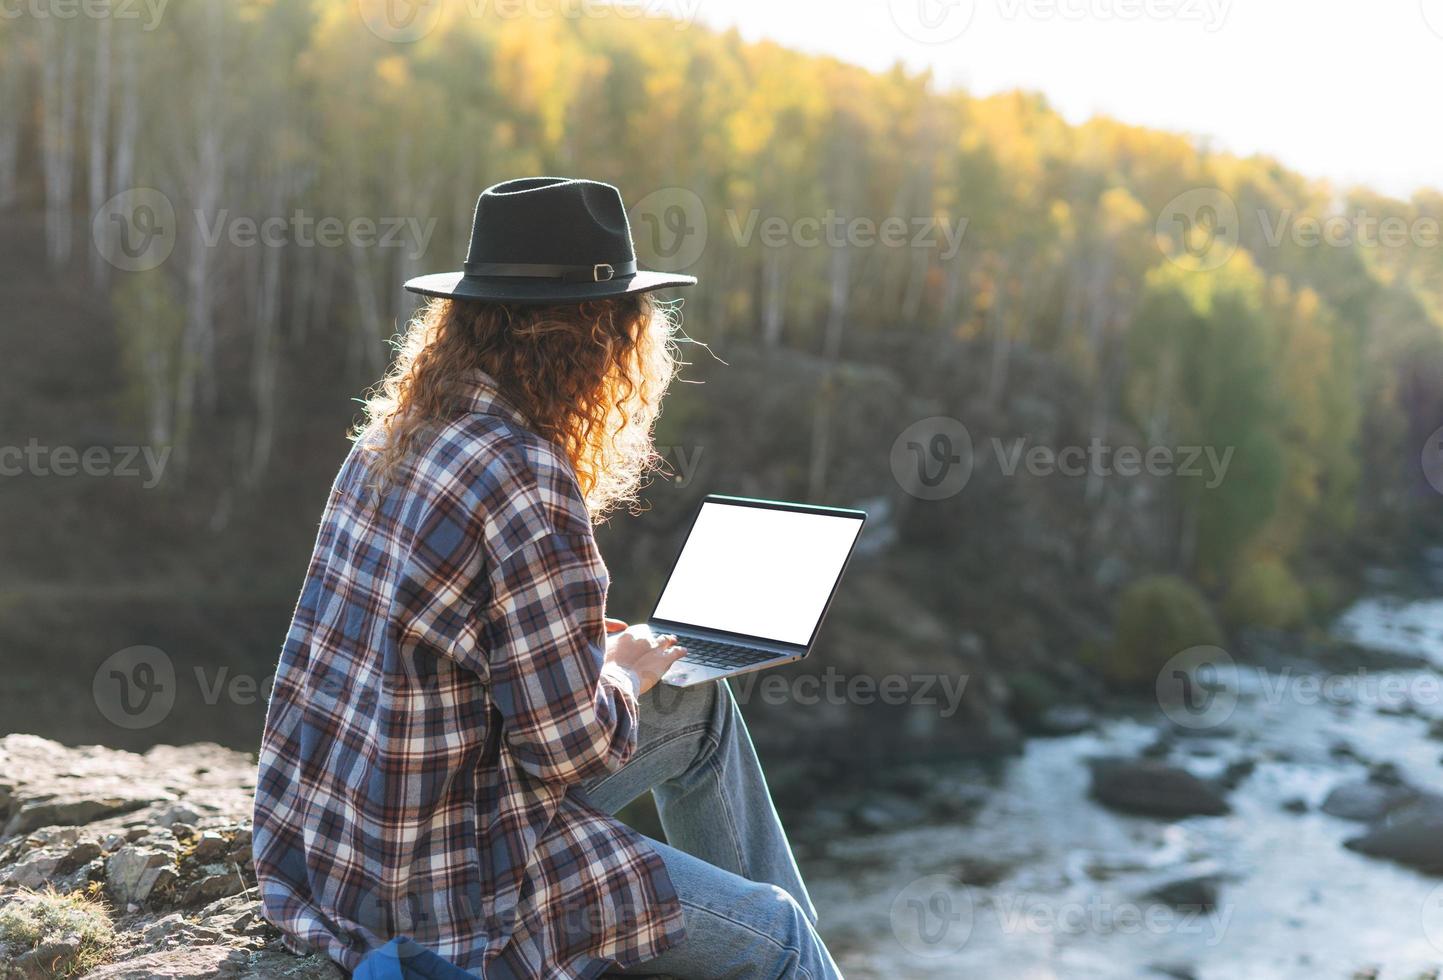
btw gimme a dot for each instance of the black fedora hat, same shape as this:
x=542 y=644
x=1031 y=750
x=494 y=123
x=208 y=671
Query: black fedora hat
x=548 y=240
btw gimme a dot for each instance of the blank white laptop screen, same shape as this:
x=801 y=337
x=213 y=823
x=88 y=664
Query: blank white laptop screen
x=758 y=571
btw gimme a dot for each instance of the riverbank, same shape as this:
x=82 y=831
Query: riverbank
x=1296 y=832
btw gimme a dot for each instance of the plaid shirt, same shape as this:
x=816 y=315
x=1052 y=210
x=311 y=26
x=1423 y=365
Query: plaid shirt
x=440 y=694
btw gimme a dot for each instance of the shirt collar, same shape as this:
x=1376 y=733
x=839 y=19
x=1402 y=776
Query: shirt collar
x=481 y=395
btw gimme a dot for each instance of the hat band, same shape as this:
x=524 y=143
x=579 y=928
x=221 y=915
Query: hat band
x=600 y=272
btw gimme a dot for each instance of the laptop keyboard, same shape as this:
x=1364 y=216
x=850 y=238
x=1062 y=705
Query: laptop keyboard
x=714 y=653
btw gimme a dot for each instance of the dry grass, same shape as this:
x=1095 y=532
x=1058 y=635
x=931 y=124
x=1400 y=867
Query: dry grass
x=80 y=923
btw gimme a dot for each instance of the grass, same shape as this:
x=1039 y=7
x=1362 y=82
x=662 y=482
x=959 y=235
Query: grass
x=32 y=919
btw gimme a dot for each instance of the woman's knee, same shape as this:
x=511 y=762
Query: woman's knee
x=782 y=916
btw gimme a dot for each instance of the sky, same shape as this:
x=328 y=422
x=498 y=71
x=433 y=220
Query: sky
x=1348 y=90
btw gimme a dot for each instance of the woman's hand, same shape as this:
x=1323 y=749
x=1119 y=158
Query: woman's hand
x=646 y=656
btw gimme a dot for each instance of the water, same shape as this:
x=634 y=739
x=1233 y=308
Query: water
x=1058 y=884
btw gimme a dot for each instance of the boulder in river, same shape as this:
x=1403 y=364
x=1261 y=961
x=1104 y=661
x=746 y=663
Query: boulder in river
x=1152 y=788
x=1367 y=801
x=1411 y=834
x=1200 y=893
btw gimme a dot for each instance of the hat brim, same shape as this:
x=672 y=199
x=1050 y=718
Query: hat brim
x=456 y=285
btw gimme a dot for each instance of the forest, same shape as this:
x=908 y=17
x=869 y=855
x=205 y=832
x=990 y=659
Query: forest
x=206 y=216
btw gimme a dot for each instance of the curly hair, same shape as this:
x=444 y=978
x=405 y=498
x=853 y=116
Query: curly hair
x=589 y=377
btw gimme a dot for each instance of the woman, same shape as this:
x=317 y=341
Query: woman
x=451 y=729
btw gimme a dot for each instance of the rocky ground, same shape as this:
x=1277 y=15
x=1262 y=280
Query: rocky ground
x=121 y=866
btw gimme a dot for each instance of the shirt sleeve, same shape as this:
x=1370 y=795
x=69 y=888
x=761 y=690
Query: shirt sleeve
x=568 y=716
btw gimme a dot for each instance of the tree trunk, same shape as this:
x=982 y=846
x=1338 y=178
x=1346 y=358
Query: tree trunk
x=197 y=367
x=99 y=113
x=369 y=358
x=12 y=101
x=774 y=297
x=1001 y=355
x=58 y=57
x=127 y=124
x=841 y=285
x=831 y=351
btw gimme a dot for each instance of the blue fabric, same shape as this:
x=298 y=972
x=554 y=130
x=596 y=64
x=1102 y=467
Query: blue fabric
x=402 y=959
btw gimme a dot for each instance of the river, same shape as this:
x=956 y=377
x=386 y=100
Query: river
x=1045 y=883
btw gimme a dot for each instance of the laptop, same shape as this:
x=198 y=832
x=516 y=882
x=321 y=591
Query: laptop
x=752 y=584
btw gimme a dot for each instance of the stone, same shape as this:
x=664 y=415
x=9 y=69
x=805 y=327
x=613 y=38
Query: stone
x=1149 y=787
x=211 y=846
x=177 y=814
x=47 y=784
x=1411 y=834
x=40 y=962
x=219 y=963
x=1385 y=774
x=211 y=887
x=1366 y=801
x=1237 y=771
x=133 y=872
x=1200 y=893
x=167 y=834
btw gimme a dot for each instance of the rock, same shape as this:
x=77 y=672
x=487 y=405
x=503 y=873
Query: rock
x=1174 y=971
x=1065 y=719
x=1411 y=834
x=1366 y=801
x=1296 y=805
x=166 y=833
x=178 y=817
x=888 y=813
x=210 y=846
x=1385 y=774
x=1404 y=710
x=220 y=963
x=48 y=784
x=1200 y=893
x=37 y=870
x=982 y=873
x=45 y=934
x=1237 y=771
x=220 y=884
x=133 y=872
x=1152 y=788
x=1344 y=752
x=41 y=962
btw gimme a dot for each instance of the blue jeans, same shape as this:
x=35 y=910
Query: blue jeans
x=746 y=911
